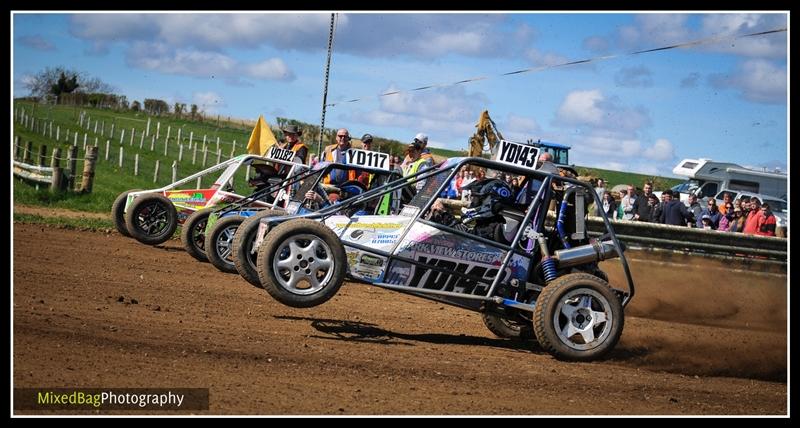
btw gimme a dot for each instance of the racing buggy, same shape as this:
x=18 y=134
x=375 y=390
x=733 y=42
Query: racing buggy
x=231 y=230
x=524 y=259
x=151 y=216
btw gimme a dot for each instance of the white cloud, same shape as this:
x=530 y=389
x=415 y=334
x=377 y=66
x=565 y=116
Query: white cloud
x=767 y=46
x=580 y=108
x=634 y=77
x=271 y=69
x=757 y=80
x=662 y=150
x=36 y=42
x=209 y=102
x=192 y=62
x=544 y=59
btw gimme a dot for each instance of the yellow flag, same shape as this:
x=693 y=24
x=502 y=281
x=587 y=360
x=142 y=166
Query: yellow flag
x=261 y=139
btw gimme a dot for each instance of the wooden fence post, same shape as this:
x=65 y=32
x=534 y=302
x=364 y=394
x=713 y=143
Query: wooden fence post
x=42 y=155
x=148 y=127
x=121 y=155
x=89 y=162
x=133 y=135
x=169 y=130
x=27 y=155
x=217 y=143
x=158 y=128
x=55 y=159
x=219 y=156
x=58 y=132
x=155 y=174
x=180 y=152
x=108 y=145
x=16 y=147
x=95 y=126
x=174 y=171
x=199 y=184
x=153 y=143
x=112 y=130
x=205 y=153
x=179 y=135
x=191 y=137
x=194 y=154
x=121 y=136
x=73 y=166
x=233 y=150
x=136 y=164
x=166 y=145
x=103 y=128
x=57 y=184
x=141 y=141
x=75 y=139
x=50 y=134
x=95 y=141
x=85 y=136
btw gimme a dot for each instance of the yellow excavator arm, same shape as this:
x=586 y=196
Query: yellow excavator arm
x=486 y=133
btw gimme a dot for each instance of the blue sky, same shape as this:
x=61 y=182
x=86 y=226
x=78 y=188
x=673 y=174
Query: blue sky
x=725 y=99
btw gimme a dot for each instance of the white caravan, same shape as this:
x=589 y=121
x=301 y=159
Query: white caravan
x=708 y=178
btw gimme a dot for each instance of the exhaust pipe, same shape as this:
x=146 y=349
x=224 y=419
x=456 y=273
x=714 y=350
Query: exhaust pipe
x=593 y=252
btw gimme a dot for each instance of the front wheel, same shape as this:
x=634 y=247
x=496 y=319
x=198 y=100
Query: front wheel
x=219 y=240
x=193 y=234
x=244 y=256
x=118 y=212
x=578 y=317
x=151 y=219
x=301 y=263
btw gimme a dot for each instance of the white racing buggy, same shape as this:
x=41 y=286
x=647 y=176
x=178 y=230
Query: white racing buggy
x=231 y=230
x=530 y=271
x=151 y=216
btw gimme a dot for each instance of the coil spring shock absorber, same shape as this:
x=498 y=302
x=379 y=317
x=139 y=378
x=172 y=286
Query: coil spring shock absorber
x=548 y=263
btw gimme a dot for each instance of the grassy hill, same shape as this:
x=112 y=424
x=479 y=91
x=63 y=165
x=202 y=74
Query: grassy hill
x=111 y=179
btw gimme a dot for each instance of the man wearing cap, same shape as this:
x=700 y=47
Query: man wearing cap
x=292 y=142
x=425 y=154
x=366 y=141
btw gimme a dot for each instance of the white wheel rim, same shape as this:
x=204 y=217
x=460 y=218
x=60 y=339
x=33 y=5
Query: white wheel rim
x=224 y=243
x=303 y=264
x=583 y=319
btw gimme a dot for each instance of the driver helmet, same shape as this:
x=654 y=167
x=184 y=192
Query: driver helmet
x=350 y=190
x=487 y=198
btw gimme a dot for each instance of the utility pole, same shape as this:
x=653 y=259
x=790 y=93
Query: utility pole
x=325 y=92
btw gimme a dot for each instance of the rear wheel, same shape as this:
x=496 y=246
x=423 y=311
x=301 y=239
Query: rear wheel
x=301 y=263
x=578 y=317
x=193 y=234
x=244 y=258
x=219 y=240
x=118 y=212
x=151 y=219
x=508 y=328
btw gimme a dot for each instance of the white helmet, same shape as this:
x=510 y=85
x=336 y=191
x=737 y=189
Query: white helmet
x=422 y=138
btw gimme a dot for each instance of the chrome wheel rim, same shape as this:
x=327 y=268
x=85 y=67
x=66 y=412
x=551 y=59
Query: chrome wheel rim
x=583 y=319
x=303 y=264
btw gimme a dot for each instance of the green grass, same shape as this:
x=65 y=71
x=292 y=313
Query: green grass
x=66 y=222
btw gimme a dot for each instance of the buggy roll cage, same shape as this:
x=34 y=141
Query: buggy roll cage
x=535 y=213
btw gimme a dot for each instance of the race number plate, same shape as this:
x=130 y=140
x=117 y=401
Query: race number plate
x=368 y=158
x=521 y=155
x=280 y=154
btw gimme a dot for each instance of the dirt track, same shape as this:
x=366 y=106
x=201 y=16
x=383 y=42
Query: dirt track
x=696 y=346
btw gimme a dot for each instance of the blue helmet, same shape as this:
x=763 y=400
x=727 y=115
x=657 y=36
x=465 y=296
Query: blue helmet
x=487 y=197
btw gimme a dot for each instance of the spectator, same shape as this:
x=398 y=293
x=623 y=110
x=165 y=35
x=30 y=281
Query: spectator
x=712 y=213
x=620 y=212
x=674 y=212
x=752 y=220
x=420 y=140
x=460 y=180
x=725 y=219
x=601 y=187
x=366 y=141
x=314 y=159
x=292 y=142
x=338 y=153
x=695 y=208
x=644 y=210
x=766 y=222
x=630 y=203
x=415 y=163
x=726 y=199
x=706 y=222
x=736 y=224
x=655 y=209
x=608 y=205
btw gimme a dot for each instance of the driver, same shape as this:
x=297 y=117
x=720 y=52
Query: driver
x=482 y=216
x=335 y=195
